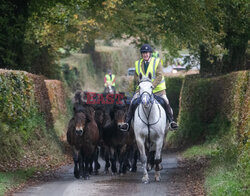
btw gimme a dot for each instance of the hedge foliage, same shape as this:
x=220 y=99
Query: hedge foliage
x=16 y=96
x=209 y=105
x=217 y=110
x=173 y=85
x=21 y=120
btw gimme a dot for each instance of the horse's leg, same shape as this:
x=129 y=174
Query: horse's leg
x=81 y=164
x=107 y=158
x=86 y=169
x=141 y=147
x=113 y=160
x=76 y=162
x=151 y=157
x=122 y=160
x=135 y=157
x=90 y=169
x=126 y=164
x=157 y=159
x=97 y=165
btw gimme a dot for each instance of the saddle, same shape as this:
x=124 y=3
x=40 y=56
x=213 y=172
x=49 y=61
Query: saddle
x=162 y=102
x=159 y=99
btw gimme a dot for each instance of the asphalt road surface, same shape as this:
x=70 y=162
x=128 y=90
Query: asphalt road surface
x=172 y=182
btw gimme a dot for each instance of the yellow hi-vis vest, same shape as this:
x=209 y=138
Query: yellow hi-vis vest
x=152 y=67
x=108 y=80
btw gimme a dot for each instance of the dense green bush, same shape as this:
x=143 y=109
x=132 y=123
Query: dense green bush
x=173 y=90
x=217 y=110
x=210 y=106
x=20 y=118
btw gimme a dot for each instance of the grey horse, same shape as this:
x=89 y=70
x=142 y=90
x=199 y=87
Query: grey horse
x=150 y=126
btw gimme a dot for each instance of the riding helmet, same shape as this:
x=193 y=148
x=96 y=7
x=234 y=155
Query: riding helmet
x=146 y=48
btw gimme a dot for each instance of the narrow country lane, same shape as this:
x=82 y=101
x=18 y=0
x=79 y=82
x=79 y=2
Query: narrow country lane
x=173 y=182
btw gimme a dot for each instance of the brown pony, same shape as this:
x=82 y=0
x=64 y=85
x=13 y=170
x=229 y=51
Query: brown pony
x=83 y=136
x=115 y=141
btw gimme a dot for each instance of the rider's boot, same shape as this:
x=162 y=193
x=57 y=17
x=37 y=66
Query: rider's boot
x=173 y=125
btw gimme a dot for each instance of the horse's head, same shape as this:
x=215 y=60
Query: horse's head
x=118 y=114
x=146 y=90
x=99 y=115
x=80 y=119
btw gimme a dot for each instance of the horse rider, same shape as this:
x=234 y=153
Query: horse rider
x=156 y=54
x=109 y=79
x=154 y=65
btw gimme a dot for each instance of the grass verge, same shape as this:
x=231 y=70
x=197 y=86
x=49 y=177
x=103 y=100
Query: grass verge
x=206 y=150
x=9 y=180
x=223 y=176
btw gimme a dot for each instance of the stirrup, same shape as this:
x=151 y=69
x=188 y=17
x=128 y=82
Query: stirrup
x=173 y=125
x=124 y=127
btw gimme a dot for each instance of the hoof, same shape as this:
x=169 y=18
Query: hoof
x=86 y=177
x=145 y=180
x=157 y=179
x=98 y=166
x=134 y=169
x=106 y=171
x=76 y=173
x=157 y=176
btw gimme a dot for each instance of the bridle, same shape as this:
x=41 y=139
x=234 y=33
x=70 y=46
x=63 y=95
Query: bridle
x=147 y=116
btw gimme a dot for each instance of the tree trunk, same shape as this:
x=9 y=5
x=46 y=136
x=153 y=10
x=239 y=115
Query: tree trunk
x=238 y=58
x=89 y=47
x=13 y=31
x=206 y=66
x=237 y=52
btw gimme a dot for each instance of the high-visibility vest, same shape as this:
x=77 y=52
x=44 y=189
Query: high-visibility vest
x=156 y=54
x=107 y=76
x=152 y=67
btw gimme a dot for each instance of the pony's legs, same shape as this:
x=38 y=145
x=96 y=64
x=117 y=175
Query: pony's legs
x=113 y=160
x=107 y=158
x=157 y=161
x=123 y=160
x=134 y=165
x=76 y=162
x=96 y=163
x=141 y=147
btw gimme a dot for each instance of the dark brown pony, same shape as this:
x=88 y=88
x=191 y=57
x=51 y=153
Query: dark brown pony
x=83 y=136
x=115 y=141
x=76 y=128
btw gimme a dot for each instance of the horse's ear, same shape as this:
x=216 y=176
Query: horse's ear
x=150 y=75
x=140 y=76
